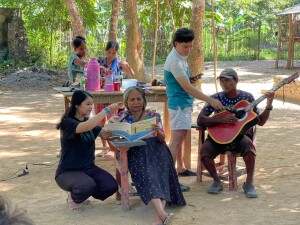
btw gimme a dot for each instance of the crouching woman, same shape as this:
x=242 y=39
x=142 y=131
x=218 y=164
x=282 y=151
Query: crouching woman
x=76 y=172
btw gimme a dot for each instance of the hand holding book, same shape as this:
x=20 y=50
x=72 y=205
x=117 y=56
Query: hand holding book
x=158 y=132
x=134 y=131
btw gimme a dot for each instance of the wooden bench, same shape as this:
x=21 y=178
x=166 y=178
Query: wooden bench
x=120 y=148
x=229 y=171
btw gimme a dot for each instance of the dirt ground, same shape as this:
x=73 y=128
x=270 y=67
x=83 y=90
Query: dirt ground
x=28 y=137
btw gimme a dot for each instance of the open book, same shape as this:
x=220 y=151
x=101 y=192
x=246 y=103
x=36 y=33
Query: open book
x=134 y=131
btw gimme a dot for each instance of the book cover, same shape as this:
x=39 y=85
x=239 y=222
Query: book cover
x=133 y=137
x=134 y=131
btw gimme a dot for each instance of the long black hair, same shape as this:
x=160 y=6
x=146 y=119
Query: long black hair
x=77 y=98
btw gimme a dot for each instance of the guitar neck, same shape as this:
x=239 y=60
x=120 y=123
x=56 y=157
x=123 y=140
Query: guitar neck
x=261 y=98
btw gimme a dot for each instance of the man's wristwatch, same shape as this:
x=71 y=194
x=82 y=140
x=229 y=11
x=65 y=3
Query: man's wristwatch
x=269 y=108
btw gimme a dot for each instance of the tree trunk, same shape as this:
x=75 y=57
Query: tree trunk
x=134 y=47
x=76 y=20
x=215 y=43
x=196 y=58
x=258 y=40
x=113 y=25
x=155 y=39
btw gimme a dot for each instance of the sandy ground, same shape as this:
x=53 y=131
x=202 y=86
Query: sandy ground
x=28 y=137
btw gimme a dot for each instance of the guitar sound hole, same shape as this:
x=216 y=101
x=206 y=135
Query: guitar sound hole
x=240 y=114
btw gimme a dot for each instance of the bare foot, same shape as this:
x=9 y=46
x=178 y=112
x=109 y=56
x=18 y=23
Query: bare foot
x=157 y=220
x=105 y=154
x=102 y=153
x=180 y=169
x=108 y=154
x=74 y=207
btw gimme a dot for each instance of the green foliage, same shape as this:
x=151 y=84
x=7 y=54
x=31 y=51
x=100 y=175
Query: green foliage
x=6 y=66
x=48 y=28
x=245 y=28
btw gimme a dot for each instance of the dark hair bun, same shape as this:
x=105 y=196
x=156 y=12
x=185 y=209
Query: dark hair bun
x=80 y=37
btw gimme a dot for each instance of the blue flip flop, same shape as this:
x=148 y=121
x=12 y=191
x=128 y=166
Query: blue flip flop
x=250 y=191
x=184 y=188
x=215 y=188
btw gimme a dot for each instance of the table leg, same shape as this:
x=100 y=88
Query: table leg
x=187 y=150
x=199 y=163
x=124 y=179
x=67 y=102
x=166 y=122
x=118 y=175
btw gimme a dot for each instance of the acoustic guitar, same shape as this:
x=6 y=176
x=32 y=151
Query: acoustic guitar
x=247 y=118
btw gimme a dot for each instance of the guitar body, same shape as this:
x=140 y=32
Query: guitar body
x=229 y=132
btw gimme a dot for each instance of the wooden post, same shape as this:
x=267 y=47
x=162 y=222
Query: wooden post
x=291 y=42
x=279 y=44
x=293 y=35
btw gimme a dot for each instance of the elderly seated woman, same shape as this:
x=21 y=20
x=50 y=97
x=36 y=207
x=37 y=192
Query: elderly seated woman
x=151 y=166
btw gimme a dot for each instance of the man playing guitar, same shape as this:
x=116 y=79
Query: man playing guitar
x=231 y=96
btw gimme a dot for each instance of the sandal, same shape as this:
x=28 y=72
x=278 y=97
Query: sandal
x=184 y=188
x=168 y=220
x=250 y=191
x=215 y=188
x=187 y=173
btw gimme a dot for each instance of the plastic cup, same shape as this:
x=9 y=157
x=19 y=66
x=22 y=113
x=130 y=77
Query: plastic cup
x=108 y=88
x=117 y=86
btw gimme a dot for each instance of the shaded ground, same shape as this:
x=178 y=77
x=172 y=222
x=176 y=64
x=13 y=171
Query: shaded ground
x=28 y=136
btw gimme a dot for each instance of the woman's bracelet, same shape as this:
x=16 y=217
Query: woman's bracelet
x=106 y=111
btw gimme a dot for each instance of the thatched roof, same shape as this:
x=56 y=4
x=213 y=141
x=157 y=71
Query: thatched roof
x=291 y=10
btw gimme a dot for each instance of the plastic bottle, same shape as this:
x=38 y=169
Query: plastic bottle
x=93 y=78
x=82 y=81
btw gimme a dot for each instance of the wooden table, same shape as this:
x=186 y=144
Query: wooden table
x=117 y=96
